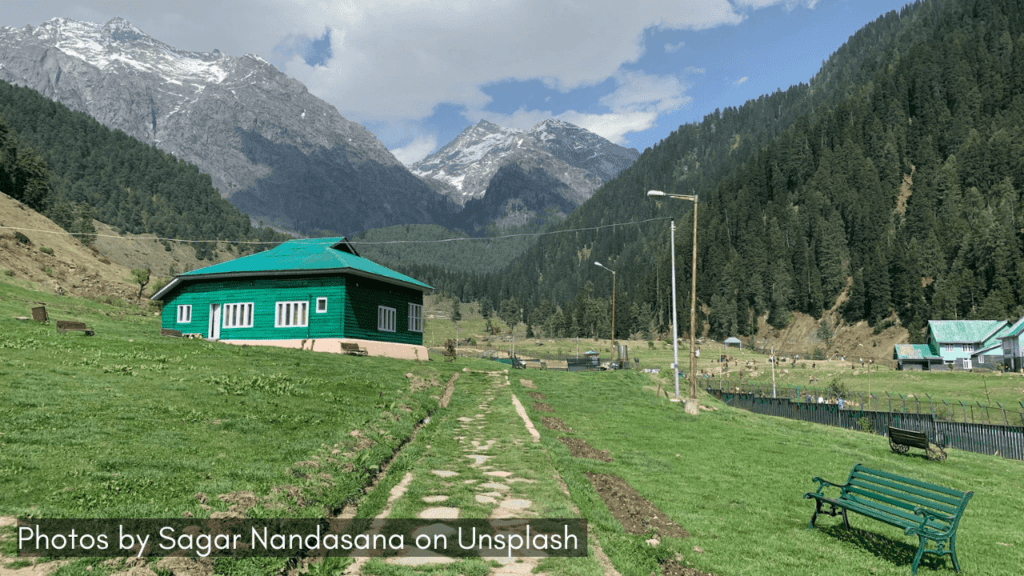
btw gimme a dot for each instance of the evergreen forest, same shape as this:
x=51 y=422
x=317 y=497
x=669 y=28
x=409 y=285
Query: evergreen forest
x=893 y=177
x=73 y=169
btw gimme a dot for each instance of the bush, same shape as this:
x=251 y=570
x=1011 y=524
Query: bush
x=8 y=272
x=865 y=425
x=449 y=350
x=46 y=250
x=819 y=354
x=48 y=271
x=22 y=238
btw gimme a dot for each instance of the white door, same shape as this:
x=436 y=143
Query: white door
x=214 y=333
x=967 y=364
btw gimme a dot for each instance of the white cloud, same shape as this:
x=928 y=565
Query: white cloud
x=670 y=48
x=741 y=81
x=416 y=150
x=400 y=59
x=634 y=106
x=789 y=4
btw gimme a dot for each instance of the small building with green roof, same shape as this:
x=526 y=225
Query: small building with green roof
x=1012 y=347
x=956 y=345
x=315 y=293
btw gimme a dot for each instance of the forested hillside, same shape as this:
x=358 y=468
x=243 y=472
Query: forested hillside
x=73 y=169
x=897 y=170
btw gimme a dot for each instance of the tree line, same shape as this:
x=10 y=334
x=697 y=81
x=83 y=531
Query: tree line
x=73 y=169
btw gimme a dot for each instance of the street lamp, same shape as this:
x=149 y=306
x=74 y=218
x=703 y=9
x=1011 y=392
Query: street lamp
x=613 y=356
x=691 y=403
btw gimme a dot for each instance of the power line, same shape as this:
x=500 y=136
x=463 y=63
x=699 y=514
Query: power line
x=467 y=238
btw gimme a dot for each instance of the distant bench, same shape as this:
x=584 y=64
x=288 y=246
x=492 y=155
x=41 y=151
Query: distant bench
x=65 y=325
x=901 y=441
x=353 y=349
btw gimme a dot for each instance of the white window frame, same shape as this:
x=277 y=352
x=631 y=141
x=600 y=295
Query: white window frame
x=320 y=300
x=386 y=318
x=184 y=313
x=415 y=317
x=949 y=348
x=237 y=315
x=969 y=348
x=292 y=314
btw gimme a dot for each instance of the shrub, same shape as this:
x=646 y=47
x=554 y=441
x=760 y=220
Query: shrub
x=449 y=350
x=46 y=250
x=22 y=238
x=819 y=354
x=48 y=271
x=865 y=425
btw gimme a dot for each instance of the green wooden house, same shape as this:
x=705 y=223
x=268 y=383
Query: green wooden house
x=303 y=293
x=954 y=345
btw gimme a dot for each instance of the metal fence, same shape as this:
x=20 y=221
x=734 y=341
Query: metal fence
x=956 y=411
x=993 y=439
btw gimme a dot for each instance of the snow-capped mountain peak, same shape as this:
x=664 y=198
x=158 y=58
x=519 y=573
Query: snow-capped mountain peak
x=575 y=156
x=118 y=44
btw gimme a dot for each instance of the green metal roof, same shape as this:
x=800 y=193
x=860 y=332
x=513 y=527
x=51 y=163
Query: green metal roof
x=915 y=352
x=965 y=331
x=1014 y=330
x=296 y=257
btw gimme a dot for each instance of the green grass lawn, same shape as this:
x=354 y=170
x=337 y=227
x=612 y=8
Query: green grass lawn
x=128 y=423
x=735 y=480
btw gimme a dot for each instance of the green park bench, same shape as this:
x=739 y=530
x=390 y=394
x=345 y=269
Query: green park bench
x=921 y=509
x=901 y=441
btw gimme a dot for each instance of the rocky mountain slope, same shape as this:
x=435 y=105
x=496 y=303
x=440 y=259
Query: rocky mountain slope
x=254 y=130
x=579 y=159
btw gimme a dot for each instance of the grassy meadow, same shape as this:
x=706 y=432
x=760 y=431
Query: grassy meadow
x=735 y=481
x=130 y=424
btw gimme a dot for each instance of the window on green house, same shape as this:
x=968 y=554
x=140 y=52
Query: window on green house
x=291 y=314
x=321 y=305
x=184 y=313
x=386 y=319
x=415 y=317
x=238 y=315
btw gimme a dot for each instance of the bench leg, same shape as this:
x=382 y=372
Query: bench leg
x=845 y=521
x=917 y=557
x=952 y=550
x=817 y=508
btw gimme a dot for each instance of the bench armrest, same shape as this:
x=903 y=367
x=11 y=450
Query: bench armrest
x=822 y=483
x=925 y=515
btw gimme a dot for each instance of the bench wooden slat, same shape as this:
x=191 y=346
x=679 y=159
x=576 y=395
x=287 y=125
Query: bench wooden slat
x=929 y=499
x=887 y=505
x=891 y=516
x=905 y=501
x=957 y=494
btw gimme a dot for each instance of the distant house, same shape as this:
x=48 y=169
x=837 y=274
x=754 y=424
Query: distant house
x=315 y=292
x=956 y=345
x=1012 y=351
x=733 y=341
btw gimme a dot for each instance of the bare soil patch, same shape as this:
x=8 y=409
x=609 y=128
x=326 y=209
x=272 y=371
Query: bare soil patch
x=671 y=568
x=541 y=407
x=538 y=396
x=633 y=511
x=580 y=449
x=449 y=389
x=552 y=423
x=527 y=383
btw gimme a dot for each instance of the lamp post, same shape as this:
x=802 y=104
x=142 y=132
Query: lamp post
x=613 y=355
x=691 y=403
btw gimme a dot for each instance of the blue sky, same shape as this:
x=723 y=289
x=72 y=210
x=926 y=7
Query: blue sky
x=418 y=72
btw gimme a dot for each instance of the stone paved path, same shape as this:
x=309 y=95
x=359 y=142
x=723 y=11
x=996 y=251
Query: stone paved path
x=497 y=470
